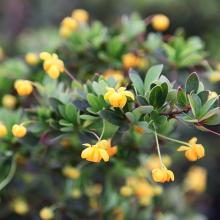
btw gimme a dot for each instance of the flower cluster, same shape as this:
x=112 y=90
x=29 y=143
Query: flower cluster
x=53 y=66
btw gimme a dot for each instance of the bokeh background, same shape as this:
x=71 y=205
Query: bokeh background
x=197 y=17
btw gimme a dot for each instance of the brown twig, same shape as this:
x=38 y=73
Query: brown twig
x=173 y=113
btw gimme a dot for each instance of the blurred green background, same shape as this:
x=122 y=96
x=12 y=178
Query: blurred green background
x=197 y=17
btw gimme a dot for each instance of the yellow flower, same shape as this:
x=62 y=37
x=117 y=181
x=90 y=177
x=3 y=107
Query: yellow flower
x=196 y=179
x=130 y=60
x=193 y=151
x=94 y=153
x=80 y=15
x=118 y=98
x=46 y=213
x=23 y=87
x=214 y=77
x=126 y=191
x=68 y=26
x=71 y=172
x=31 y=59
x=106 y=144
x=160 y=22
x=9 y=101
x=53 y=66
x=19 y=131
x=212 y=95
x=117 y=75
x=20 y=206
x=162 y=175
x=3 y=130
x=76 y=193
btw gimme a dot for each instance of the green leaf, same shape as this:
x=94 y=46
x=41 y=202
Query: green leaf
x=204 y=96
x=88 y=117
x=71 y=112
x=195 y=104
x=207 y=106
x=131 y=117
x=192 y=83
x=152 y=75
x=181 y=98
x=210 y=114
x=55 y=103
x=156 y=97
x=112 y=117
x=137 y=82
x=94 y=102
x=214 y=120
x=142 y=110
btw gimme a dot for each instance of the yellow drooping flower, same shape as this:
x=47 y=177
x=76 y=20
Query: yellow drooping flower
x=101 y=150
x=195 y=179
x=20 y=206
x=130 y=60
x=117 y=75
x=71 y=172
x=68 y=26
x=53 y=66
x=214 y=77
x=31 y=59
x=160 y=22
x=23 y=87
x=162 y=175
x=118 y=97
x=3 y=130
x=93 y=153
x=9 y=101
x=80 y=15
x=19 y=131
x=193 y=151
x=46 y=213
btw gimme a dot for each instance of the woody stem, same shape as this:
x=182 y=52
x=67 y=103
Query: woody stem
x=69 y=74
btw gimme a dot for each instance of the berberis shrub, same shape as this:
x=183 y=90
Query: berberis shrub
x=82 y=121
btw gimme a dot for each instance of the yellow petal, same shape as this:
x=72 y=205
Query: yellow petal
x=171 y=174
x=193 y=140
x=104 y=155
x=191 y=155
x=87 y=145
x=45 y=55
x=183 y=148
x=129 y=94
x=86 y=152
